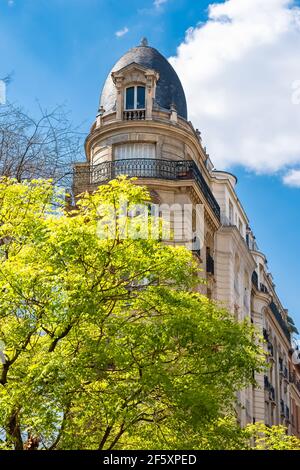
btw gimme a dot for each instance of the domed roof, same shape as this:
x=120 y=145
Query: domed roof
x=168 y=89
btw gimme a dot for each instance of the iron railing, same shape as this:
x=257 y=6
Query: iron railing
x=269 y=388
x=152 y=168
x=280 y=320
x=263 y=288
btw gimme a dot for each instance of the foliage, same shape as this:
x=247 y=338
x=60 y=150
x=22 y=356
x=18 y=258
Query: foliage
x=271 y=438
x=108 y=344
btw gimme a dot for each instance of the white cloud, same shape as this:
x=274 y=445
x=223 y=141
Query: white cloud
x=292 y=178
x=241 y=70
x=122 y=32
x=159 y=3
x=10 y=3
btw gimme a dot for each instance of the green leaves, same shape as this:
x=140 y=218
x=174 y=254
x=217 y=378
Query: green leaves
x=108 y=343
x=271 y=438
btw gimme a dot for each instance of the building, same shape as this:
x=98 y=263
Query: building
x=294 y=380
x=142 y=130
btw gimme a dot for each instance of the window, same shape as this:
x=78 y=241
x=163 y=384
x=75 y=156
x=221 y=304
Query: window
x=134 y=150
x=129 y=98
x=135 y=97
x=140 y=97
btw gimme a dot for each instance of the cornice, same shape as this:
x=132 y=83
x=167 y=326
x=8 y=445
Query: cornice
x=187 y=135
x=233 y=232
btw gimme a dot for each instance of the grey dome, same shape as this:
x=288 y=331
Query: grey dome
x=168 y=90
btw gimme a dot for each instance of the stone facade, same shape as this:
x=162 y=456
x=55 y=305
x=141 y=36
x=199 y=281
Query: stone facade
x=165 y=153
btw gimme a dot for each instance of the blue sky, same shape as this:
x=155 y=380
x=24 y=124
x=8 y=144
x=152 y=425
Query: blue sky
x=61 y=51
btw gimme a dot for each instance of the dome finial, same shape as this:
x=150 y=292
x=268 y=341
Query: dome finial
x=144 y=42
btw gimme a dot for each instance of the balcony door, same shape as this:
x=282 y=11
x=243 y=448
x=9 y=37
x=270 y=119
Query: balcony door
x=135 y=159
x=134 y=150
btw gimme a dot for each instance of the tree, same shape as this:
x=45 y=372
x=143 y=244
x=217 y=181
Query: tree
x=37 y=147
x=270 y=438
x=108 y=344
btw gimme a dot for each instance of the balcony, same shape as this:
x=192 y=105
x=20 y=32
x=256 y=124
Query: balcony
x=259 y=286
x=263 y=288
x=272 y=393
x=269 y=388
x=147 y=168
x=134 y=115
x=280 y=320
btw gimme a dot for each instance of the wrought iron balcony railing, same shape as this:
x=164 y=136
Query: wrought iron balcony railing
x=269 y=388
x=280 y=320
x=152 y=168
x=263 y=288
x=272 y=393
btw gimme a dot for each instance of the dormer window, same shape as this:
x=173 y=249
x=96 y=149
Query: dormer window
x=135 y=92
x=135 y=98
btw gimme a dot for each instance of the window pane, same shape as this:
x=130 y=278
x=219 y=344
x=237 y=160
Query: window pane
x=136 y=150
x=130 y=98
x=140 y=97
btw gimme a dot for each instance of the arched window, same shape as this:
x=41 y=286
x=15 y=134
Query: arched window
x=135 y=98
